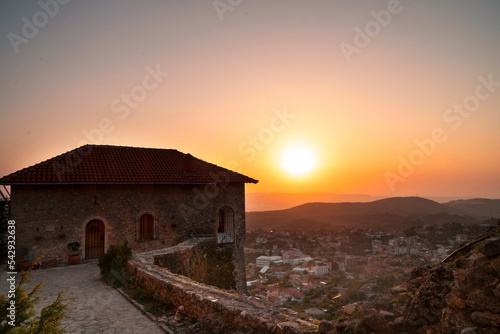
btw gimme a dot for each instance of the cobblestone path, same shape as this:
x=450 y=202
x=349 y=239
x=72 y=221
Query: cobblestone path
x=94 y=306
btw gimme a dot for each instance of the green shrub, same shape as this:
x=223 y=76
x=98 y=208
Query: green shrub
x=112 y=264
x=49 y=320
x=451 y=330
x=401 y=299
x=140 y=295
x=479 y=247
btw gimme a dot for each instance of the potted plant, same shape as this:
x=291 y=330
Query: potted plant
x=49 y=263
x=74 y=258
x=23 y=265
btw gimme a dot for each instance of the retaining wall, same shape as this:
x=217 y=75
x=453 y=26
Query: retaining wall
x=229 y=310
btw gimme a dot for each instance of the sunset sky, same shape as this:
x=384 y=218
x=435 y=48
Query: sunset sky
x=388 y=98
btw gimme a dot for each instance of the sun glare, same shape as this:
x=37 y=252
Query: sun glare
x=298 y=159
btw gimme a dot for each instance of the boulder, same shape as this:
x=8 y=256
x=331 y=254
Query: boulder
x=349 y=309
x=325 y=327
x=495 y=264
x=455 y=302
x=485 y=319
x=286 y=328
x=386 y=313
x=376 y=323
x=492 y=247
x=483 y=300
x=462 y=262
x=397 y=290
x=399 y=323
x=481 y=275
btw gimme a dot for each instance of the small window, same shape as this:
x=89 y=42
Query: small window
x=225 y=226
x=146 y=227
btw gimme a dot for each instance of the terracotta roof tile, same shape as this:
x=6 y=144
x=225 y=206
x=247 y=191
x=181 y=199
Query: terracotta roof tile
x=120 y=164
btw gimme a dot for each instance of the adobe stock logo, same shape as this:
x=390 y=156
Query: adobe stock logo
x=201 y=200
x=455 y=117
x=250 y=147
x=363 y=37
x=266 y=135
x=30 y=28
x=223 y=6
x=121 y=106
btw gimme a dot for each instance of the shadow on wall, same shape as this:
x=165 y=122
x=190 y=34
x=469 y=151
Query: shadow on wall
x=202 y=260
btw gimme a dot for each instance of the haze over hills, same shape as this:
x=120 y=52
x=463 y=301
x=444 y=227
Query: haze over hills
x=259 y=201
x=277 y=201
x=397 y=213
x=481 y=207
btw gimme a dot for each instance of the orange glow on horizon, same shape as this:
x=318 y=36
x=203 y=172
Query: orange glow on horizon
x=241 y=91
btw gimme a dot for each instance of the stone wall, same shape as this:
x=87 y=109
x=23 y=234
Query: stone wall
x=202 y=260
x=218 y=309
x=48 y=217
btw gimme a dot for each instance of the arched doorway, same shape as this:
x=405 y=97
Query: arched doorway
x=94 y=239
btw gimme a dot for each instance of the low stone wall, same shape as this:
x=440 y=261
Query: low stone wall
x=202 y=260
x=224 y=310
x=176 y=259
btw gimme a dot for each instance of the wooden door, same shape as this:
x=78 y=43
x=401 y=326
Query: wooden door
x=94 y=239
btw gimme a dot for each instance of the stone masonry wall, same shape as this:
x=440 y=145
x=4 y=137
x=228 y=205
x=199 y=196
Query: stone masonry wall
x=227 y=311
x=202 y=260
x=48 y=217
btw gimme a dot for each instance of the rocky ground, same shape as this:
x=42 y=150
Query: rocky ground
x=461 y=295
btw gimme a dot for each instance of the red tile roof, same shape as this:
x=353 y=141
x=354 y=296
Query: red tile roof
x=293 y=292
x=99 y=164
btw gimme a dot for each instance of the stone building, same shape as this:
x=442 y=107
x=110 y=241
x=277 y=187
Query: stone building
x=102 y=195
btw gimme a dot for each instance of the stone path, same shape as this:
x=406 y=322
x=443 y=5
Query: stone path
x=95 y=307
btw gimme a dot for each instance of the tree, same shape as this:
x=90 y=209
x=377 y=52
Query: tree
x=24 y=319
x=355 y=295
x=286 y=281
x=385 y=282
x=113 y=263
x=354 y=292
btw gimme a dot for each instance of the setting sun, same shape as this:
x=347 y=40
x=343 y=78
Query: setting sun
x=298 y=159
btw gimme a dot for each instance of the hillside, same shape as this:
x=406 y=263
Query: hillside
x=479 y=207
x=279 y=201
x=398 y=213
x=459 y=295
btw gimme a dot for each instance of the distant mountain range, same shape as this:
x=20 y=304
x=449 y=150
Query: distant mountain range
x=397 y=213
x=480 y=207
x=275 y=201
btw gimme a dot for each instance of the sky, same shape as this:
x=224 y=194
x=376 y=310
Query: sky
x=387 y=98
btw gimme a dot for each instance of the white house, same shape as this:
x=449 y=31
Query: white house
x=319 y=270
x=262 y=261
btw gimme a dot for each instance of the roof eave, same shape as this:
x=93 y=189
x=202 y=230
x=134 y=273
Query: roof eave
x=109 y=183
